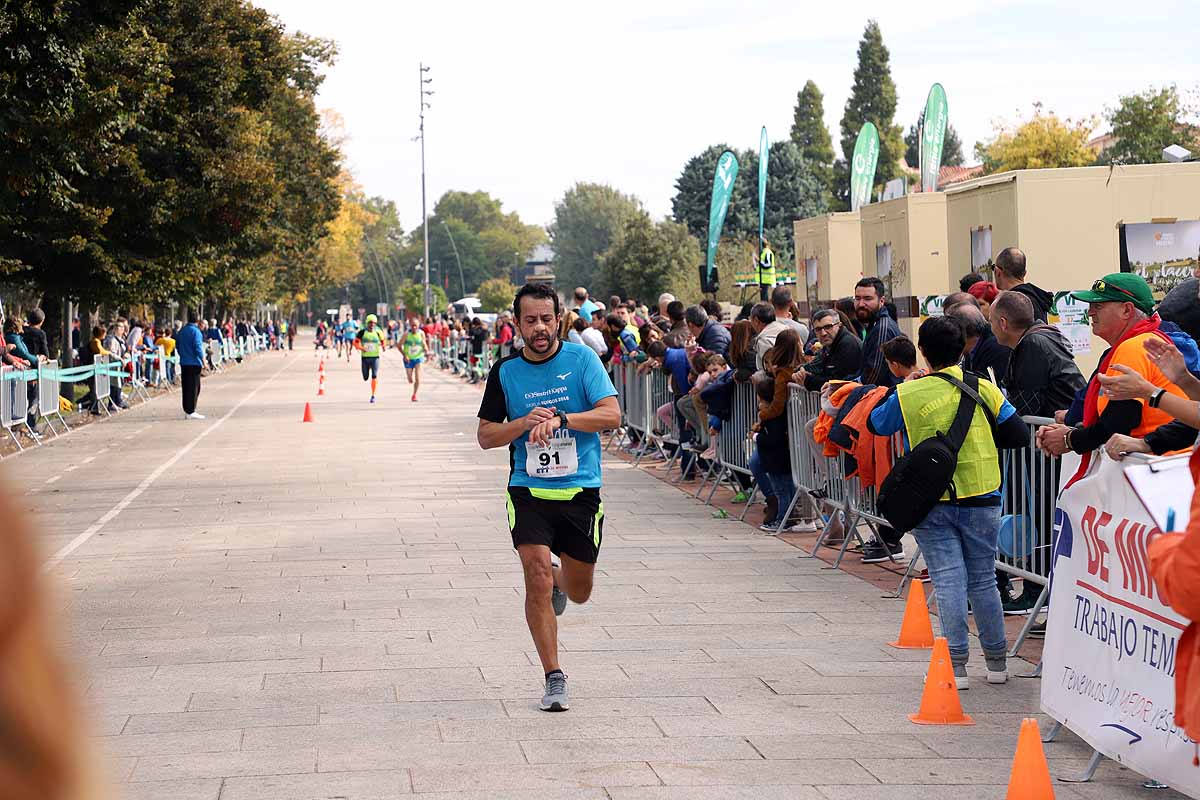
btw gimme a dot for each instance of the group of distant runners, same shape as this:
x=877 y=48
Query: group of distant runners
x=371 y=341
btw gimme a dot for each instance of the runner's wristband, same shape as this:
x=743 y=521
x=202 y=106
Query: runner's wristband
x=562 y=420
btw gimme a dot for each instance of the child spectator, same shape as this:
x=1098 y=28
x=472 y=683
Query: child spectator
x=901 y=357
x=771 y=446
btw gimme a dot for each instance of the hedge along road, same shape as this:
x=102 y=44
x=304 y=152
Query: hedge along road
x=335 y=607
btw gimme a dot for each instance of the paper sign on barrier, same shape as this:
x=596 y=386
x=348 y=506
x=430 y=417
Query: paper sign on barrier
x=1112 y=645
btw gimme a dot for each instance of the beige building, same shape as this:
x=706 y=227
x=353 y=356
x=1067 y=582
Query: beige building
x=828 y=256
x=1071 y=223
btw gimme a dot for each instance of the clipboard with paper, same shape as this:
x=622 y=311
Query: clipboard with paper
x=1164 y=487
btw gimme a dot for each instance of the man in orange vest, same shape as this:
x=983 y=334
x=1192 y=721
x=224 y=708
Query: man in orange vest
x=1121 y=309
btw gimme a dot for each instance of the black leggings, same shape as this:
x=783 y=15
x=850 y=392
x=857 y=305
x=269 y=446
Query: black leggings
x=191 y=388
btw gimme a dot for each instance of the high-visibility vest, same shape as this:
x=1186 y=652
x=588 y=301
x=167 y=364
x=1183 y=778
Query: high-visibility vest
x=929 y=406
x=766 y=267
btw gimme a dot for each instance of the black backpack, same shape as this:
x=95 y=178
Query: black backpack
x=920 y=478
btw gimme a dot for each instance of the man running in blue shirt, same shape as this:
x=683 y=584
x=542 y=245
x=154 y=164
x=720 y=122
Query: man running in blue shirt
x=548 y=402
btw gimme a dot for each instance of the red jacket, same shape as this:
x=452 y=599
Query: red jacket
x=1175 y=564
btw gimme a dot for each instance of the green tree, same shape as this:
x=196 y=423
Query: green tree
x=496 y=294
x=810 y=134
x=1043 y=142
x=649 y=258
x=952 y=155
x=872 y=99
x=410 y=294
x=1146 y=122
x=586 y=224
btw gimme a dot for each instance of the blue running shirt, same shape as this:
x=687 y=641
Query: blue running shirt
x=573 y=380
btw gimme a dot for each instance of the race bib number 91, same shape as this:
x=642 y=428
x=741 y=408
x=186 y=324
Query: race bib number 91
x=557 y=459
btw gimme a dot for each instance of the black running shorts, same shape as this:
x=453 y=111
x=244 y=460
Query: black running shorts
x=370 y=367
x=568 y=521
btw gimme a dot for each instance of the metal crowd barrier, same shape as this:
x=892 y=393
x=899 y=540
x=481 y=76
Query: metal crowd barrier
x=48 y=388
x=665 y=437
x=14 y=402
x=617 y=374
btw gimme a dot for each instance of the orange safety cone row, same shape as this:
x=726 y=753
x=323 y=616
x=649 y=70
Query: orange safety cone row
x=939 y=702
x=321 y=386
x=916 y=631
x=1030 y=778
x=308 y=417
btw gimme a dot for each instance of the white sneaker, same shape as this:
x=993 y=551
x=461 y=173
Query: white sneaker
x=804 y=526
x=194 y=415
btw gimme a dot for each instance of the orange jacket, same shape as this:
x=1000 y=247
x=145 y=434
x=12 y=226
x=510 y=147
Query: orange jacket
x=873 y=453
x=1175 y=564
x=825 y=422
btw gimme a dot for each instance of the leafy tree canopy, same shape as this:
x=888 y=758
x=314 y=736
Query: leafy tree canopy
x=1045 y=141
x=1146 y=122
x=587 y=221
x=872 y=99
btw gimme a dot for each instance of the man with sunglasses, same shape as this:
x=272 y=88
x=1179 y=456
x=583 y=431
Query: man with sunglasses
x=840 y=357
x=1121 y=310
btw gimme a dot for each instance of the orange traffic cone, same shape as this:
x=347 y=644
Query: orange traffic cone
x=308 y=417
x=1030 y=778
x=916 y=631
x=321 y=386
x=321 y=366
x=939 y=702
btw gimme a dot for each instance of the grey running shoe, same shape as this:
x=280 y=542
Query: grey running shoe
x=555 y=698
x=559 y=600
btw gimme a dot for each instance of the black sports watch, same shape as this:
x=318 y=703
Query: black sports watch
x=562 y=420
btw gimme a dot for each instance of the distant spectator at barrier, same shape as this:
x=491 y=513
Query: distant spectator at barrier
x=985 y=293
x=762 y=316
x=955 y=299
x=167 y=342
x=984 y=356
x=625 y=337
x=660 y=317
x=901 y=357
x=741 y=353
x=709 y=334
x=593 y=337
x=1010 y=277
x=1121 y=309
x=781 y=304
x=189 y=343
x=772 y=457
x=584 y=305
x=677 y=332
x=1042 y=376
x=845 y=307
x=967 y=281
x=958 y=537
x=840 y=355
x=114 y=343
x=779 y=363
x=35 y=337
x=87 y=357
x=871 y=312
x=577 y=329
x=713 y=309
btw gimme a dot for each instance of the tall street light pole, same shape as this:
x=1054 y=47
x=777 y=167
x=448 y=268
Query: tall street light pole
x=424 y=213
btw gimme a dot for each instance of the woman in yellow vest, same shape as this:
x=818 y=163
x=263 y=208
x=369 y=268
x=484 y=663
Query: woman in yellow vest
x=371 y=343
x=958 y=537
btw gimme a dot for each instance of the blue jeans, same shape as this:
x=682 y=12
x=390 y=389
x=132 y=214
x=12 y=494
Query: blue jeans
x=783 y=489
x=959 y=546
x=759 y=474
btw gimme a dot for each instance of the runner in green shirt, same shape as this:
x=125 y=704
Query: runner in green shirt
x=371 y=342
x=412 y=346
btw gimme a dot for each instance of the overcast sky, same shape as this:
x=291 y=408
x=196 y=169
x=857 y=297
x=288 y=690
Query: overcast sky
x=534 y=96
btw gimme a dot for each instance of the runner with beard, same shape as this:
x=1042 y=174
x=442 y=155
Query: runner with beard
x=548 y=402
x=371 y=343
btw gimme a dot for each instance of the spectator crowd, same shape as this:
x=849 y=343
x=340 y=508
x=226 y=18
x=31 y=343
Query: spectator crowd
x=992 y=359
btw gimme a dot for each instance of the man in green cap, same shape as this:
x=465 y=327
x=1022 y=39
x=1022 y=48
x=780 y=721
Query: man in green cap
x=1121 y=309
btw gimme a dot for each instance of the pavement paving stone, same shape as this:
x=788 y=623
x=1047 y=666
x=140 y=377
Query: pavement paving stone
x=271 y=621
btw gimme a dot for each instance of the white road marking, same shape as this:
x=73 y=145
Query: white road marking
x=112 y=513
x=52 y=480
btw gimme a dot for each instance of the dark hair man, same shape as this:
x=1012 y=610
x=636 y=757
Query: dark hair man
x=958 y=537
x=781 y=303
x=548 y=402
x=840 y=357
x=969 y=280
x=678 y=332
x=1010 y=277
x=878 y=326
